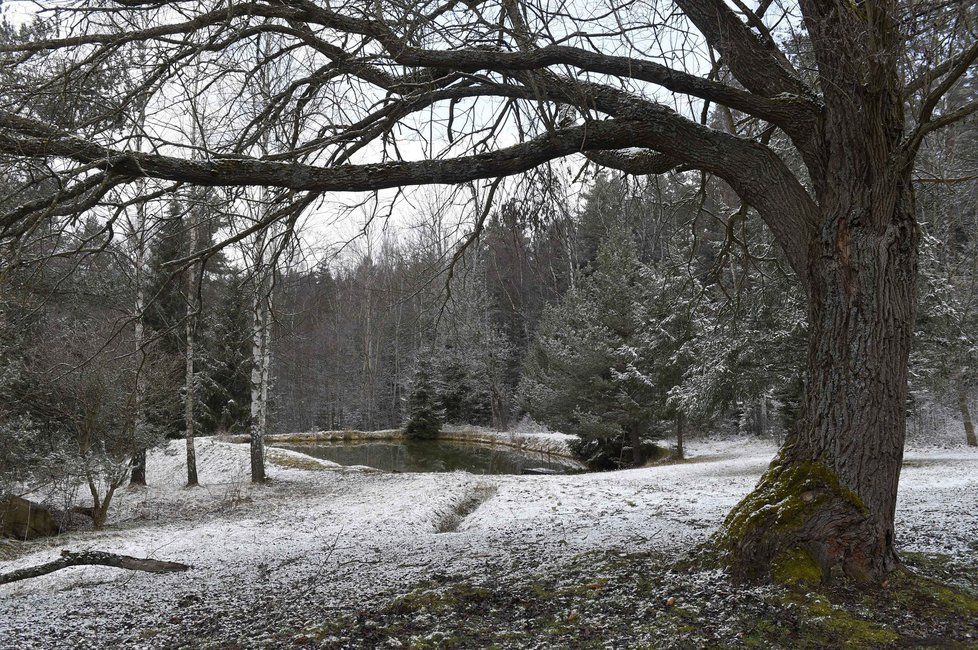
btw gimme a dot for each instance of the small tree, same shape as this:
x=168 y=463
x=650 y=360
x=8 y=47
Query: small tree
x=425 y=413
x=590 y=370
x=77 y=393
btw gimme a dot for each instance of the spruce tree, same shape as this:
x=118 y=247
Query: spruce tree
x=425 y=413
x=589 y=371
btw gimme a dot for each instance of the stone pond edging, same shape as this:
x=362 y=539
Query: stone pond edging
x=542 y=446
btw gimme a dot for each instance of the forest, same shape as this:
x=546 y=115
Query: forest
x=505 y=323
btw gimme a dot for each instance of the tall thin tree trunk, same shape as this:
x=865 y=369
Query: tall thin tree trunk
x=257 y=437
x=191 y=318
x=260 y=351
x=762 y=416
x=680 y=442
x=636 y=442
x=137 y=476
x=266 y=365
x=969 y=425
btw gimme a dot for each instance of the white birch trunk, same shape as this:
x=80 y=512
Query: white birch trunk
x=261 y=353
x=191 y=317
x=138 y=475
x=259 y=371
x=266 y=360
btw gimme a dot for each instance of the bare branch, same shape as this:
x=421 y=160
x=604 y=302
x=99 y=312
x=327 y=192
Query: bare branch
x=755 y=62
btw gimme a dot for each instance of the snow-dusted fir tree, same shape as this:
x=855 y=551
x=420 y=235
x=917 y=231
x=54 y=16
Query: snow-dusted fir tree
x=590 y=370
x=745 y=355
x=466 y=342
x=424 y=411
x=944 y=360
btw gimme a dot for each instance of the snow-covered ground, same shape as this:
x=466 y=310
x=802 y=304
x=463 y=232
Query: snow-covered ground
x=320 y=536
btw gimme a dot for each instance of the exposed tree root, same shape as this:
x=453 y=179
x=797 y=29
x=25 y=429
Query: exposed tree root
x=801 y=525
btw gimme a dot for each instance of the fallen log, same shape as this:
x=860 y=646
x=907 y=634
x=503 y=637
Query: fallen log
x=83 y=558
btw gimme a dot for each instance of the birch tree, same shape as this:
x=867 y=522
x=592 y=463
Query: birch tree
x=138 y=236
x=190 y=323
x=261 y=331
x=261 y=258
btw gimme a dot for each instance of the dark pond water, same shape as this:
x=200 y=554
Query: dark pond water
x=429 y=456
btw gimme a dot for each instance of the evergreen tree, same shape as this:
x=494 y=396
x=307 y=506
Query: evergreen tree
x=746 y=352
x=165 y=289
x=226 y=364
x=465 y=388
x=589 y=371
x=425 y=414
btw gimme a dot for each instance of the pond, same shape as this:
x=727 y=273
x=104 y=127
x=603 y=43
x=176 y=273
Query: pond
x=432 y=456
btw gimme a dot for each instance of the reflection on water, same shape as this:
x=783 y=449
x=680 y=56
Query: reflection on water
x=428 y=456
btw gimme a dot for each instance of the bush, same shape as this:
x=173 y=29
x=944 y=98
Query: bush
x=69 y=418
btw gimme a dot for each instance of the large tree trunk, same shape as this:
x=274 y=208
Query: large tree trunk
x=827 y=503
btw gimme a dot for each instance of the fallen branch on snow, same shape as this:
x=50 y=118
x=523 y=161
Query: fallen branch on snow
x=81 y=558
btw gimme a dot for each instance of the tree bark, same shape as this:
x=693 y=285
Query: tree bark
x=680 y=425
x=100 y=507
x=137 y=476
x=969 y=425
x=189 y=397
x=636 y=442
x=828 y=501
x=83 y=558
x=830 y=496
x=260 y=353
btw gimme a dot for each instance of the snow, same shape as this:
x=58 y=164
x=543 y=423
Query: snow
x=320 y=536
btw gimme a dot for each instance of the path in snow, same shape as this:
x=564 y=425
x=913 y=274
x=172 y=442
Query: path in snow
x=333 y=537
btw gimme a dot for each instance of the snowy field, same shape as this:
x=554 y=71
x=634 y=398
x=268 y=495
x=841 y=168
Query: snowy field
x=322 y=538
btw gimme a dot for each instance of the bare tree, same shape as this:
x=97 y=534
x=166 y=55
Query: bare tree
x=193 y=305
x=853 y=88
x=261 y=356
x=138 y=236
x=261 y=253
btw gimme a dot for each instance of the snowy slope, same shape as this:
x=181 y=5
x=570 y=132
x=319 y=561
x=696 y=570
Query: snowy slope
x=333 y=537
